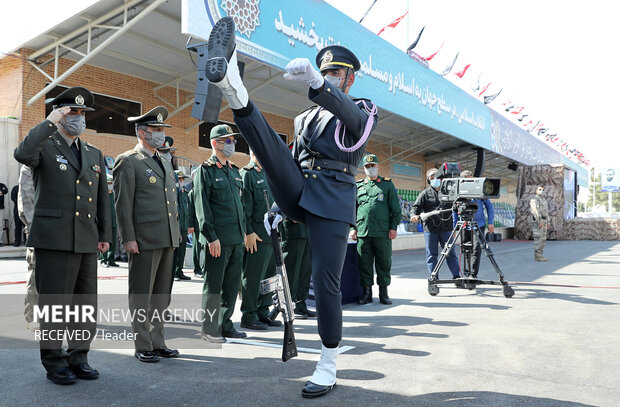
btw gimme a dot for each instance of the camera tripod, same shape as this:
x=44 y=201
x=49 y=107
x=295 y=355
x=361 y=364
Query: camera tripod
x=466 y=225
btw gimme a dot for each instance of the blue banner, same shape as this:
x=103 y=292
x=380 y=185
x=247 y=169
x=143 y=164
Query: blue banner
x=276 y=31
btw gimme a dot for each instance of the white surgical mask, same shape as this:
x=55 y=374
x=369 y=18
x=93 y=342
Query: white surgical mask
x=371 y=172
x=435 y=183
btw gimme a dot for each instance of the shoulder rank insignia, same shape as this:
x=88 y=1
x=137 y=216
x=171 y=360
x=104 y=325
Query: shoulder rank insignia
x=387 y=179
x=232 y=164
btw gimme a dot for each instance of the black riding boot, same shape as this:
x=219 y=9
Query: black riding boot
x=366 y=297
x=383 y=296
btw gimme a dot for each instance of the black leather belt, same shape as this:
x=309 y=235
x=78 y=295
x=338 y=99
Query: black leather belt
x=325 y=164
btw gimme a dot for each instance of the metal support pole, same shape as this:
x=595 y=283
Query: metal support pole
x=96 y=51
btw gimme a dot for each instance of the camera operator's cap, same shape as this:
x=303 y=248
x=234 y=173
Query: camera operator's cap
x=431 y=172
x=335 y=57
x=222 y=130
x=75 y=97
x=370 y=159
x=153 y=118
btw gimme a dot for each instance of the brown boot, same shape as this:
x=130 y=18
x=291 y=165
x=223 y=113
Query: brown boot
x=366 y=298
x=539 y=257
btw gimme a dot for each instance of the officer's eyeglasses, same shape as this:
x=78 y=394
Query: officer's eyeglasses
x=227 y=141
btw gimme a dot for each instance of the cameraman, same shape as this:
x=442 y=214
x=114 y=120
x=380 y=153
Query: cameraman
x=437 y=228
x=480 y=219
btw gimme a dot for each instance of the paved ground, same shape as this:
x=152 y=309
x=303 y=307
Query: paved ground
x=553 y=344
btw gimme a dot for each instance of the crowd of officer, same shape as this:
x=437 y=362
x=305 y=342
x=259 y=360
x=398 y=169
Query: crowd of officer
x=150 y=209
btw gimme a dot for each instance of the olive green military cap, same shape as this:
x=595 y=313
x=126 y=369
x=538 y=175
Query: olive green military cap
x=370 y=159
x=222 y=130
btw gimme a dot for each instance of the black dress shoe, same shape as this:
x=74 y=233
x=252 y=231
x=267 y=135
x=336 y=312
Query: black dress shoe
x=299 y=314
x=220 y=46
x=234 y=334
x=184 y=277
x=63 y=375
x=147 y=356
x=309 y=314
x=458 y=283
x=256 y=325
x=84 y=371
x=113 y=264
x=166 y=353
x=311 y=390
x=269 y=322
x=216 y=338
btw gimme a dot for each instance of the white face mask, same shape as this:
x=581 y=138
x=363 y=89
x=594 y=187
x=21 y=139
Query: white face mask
x=435 y=183
x=371 y=172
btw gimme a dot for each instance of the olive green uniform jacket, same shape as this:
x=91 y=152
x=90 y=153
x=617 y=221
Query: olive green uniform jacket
x=71 y=203
x=146 y=201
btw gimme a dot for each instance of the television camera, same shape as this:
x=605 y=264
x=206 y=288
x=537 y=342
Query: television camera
x=462 y=192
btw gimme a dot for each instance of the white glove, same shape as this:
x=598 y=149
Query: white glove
x=274 y=225
x=300 y=69
x=57 y=114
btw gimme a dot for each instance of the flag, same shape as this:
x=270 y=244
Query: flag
x=448 y=68
x=367 y=11
x=517 y=110
x=414 y=43
x=484 y=89
x=461 y=73
x=394 y=23
x=476 y=84
x=433 y=55
x=489 y=99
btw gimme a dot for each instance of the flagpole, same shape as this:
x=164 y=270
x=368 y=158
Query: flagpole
x=408 y=18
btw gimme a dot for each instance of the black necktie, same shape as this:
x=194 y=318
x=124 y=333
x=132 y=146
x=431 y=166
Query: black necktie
x=158 y=161
x=76 y=152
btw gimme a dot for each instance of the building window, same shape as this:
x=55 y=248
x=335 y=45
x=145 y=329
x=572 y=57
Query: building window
x=110 y=115
x=204 y=131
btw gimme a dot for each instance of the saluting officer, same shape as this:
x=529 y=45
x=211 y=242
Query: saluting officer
x=71 y=223
x=148 y=223
x=259 y=261
x=316 y=184
x=378 y=216
x=217 y=197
